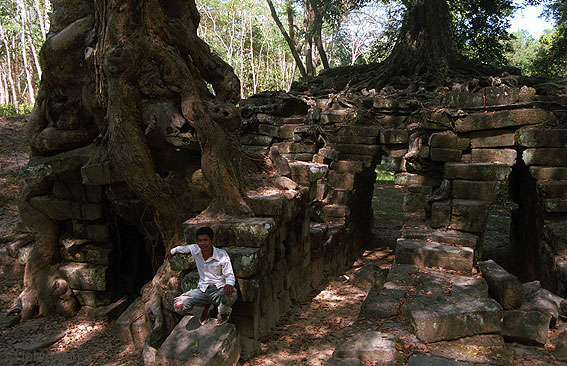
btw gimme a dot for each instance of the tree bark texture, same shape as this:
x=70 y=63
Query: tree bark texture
x=135 y=77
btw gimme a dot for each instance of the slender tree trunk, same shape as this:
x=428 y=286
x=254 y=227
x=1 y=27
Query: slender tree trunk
x=9 y=71
x=288 y=39
x=40 y=19
x=309 y=22
x=252 y=61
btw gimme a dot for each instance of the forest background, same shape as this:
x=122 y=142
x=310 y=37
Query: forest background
x=271 y=43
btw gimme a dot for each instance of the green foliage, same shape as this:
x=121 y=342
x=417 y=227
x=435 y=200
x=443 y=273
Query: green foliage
x=12 y=110
x=522 y=50
x=480 y=28
x=551 y=58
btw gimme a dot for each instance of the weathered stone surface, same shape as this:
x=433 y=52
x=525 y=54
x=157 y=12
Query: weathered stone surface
x=395 y=150
x=423 y=360
x=555 y=234
x=61 y=209
x=552 y=189
x=266 y=204
x=85 y=276
x=307 y=173
x=248 y=289
x=452 y=321
x=541 y=138
x=496 y=138
x=528 y=327
x=289 y=147
x=422 y=300
x=131 y=325
x=358 y=149
x=548 y=173
x=448 y=140
x=430 y=254
x=443 y=154
x=69 y=190
x=369 y=276
x=409 y=179
x=489 y=349
x=414 y=203
x=440 y=214
x=340 y=196
x=331 y=154
x=478 y=171
x=561 y=346
x=182 y=261
x=382 y=304
x=500 y=119
x=503 y=286
x=545 y=156
x=93 y=298
x=341 y=180
x=358 y=131
x=364 y=140
x=542 y=300
x=370 y=346
x=452 y=237
x=285 y=183
x=470 y=216
x=504 y=156
x=343 y=362
x=268 y=130
x=346 y=166
x=245 y=261
x=394 y=136
x=469 y=287
x=475 y=190
x=99 y=174
x=555 y=205
x=192 y=344
x=256 y=140
x=337 y=116
x=250 y=232
x=286 y=131
x=95 y=232
x=83 y=250
x=332 y=211
x=400 y=275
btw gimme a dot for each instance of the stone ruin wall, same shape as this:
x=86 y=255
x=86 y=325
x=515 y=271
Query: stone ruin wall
x=452 y=154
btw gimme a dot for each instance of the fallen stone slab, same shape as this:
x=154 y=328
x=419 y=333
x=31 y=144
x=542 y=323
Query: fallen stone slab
x=447 y=321
x=561 y=346
x=529 y=327
x=380 y=304
x=131 y=326
x=541 y=300
x=503 y=286
x=369 y=276
x=487 y=349
x=44 y=341
x=401 y=275
x=423 y=360
x=421 y=301
x=370 y=346
x=451 y=237
x=469 y=287
x=431 y=254
x=192 y=344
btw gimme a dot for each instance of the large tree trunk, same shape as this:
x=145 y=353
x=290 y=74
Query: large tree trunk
x=131 y=70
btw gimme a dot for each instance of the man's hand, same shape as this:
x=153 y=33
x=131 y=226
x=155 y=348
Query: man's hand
x=167 y=255
x=228 y=291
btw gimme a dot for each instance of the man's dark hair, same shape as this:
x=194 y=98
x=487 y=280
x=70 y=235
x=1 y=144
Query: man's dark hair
x=205 y=230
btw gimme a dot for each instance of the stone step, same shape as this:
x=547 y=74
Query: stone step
x=432 y=254
x=449 y=237
x=370 y=346
x=191 y=343
x=447 y=321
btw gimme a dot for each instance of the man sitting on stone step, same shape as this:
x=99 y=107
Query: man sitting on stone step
x=216 y=278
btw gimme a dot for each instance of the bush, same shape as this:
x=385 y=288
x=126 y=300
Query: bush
x=12 y=110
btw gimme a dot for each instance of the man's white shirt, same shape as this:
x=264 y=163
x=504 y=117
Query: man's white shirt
x=217 y=270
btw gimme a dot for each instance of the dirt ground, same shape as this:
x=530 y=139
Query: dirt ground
x=307 y=335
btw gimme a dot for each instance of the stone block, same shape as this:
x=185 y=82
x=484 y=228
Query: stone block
x=503 y=156
x=488 y=349
x=440 y=214
x=561 y=346
x=93 y=298
x=451 y=237
x=85 y=276
x=94 y=193
x=423 y=360
x=543 y=301
x=285 y=183
x=96 y=232
x=364 y=140
x=340 y=196
x=478 y=171
x=395 y=151
x=503 y=286
x=182 y=261
x=248 y=289
x=495 y=138
x=369 y=276
x=266 y=204
x=448 y=140
x=356 y=149
x=357 y=131
x=409 y=179
x=470 y=216
x=286 y=131
x=329 y=212
x=331 y=154
x=555 y=205
x=56 y=208
x=99 y=174
x=528 y=327
x=548 y=173
x=86 y=251
x=541 y=138
x=346 y=166
x=131 y=325
x=370 y=346
x=555 y=157
x=552 y=189
x=256 y=140
x=245 y=261
x=337 y=116
x=69 y=190
x=268 y=130
x=307 y=173
x=192 y=344
x=394 y=136
x=119 y=191
x=289 y=147
x=469 y=287
x=341 y=180
x=442 y=154
x=250 y=232
x=476 y=190
x=555 y=235
x=430 y=254
x=501 y=119
x=447 y=321
x=414 y=203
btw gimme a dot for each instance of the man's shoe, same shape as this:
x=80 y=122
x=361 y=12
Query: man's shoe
x=204 y=319
x=223 y=318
